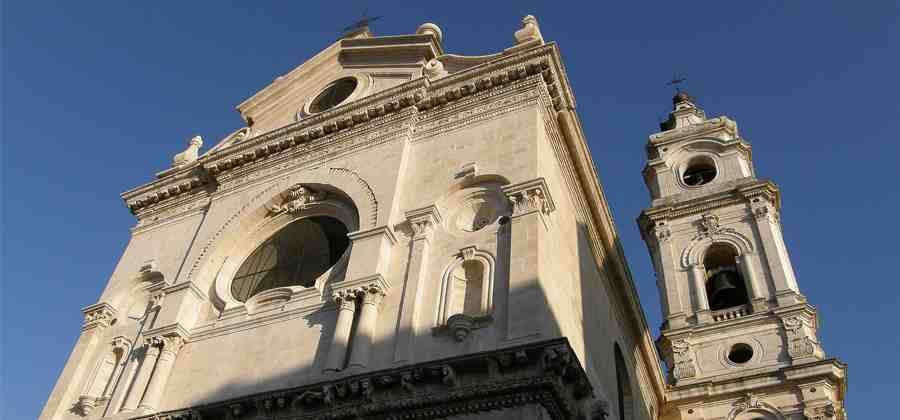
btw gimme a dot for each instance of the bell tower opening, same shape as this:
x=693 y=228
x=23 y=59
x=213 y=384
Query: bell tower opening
x=725 y=288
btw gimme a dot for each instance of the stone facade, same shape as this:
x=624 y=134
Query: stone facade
x=464 y=263
x=482 y=276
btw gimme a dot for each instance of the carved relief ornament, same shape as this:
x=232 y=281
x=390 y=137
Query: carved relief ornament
x=682 y=360
x=297 y=198
x=800 y=342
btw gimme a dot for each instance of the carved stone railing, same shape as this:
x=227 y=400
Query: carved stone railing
x=731 y=313
x=546 y=373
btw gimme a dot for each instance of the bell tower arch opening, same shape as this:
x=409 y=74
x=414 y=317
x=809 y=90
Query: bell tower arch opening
x=725 y=287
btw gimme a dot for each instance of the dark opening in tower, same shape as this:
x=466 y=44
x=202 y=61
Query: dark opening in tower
x=725 y=288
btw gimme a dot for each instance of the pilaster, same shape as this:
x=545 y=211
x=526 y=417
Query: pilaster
x=421 y=224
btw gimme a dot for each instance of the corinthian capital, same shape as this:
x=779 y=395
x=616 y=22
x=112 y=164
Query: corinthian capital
x=529 y=197
x=98 y=316
x=421 y=221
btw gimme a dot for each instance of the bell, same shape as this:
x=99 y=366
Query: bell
x=724 y=290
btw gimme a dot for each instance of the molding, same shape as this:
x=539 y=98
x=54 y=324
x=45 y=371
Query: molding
x=367 y=233
x=545 y=373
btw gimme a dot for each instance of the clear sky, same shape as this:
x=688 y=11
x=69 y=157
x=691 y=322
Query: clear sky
x=98 y=96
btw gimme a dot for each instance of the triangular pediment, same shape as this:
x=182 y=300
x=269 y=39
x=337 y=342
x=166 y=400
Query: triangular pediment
x=373 y=64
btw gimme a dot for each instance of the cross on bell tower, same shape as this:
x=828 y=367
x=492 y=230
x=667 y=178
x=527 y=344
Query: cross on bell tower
x=731 y=303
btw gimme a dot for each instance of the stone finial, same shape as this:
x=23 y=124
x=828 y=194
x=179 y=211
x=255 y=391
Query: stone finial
x=189 y=155
x=530 y=31
x=429 y=28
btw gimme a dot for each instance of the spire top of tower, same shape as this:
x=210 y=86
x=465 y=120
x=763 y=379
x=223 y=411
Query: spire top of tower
x=685 y=112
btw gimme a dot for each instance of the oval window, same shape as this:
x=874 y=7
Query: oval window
x=294 y=256
x=333 y=95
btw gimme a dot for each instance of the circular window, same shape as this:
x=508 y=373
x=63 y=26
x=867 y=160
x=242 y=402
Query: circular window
x=740 y=353
x=699 y=172
x=295 y=256
x=333 y=95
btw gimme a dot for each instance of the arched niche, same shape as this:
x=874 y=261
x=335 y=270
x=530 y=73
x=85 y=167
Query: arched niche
x=467 y=285
x=280 y=212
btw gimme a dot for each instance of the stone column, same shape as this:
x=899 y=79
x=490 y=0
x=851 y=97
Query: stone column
x=96 y=318
x=164 y=364
x=370 y=297
x=337 y=353
x=153 y=346
x=421 y=222
x=698 y=279
x=531 y=207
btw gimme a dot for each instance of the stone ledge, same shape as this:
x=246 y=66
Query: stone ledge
x=546 y=373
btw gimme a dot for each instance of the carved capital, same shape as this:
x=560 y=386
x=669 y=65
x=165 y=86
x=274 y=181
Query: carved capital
x=121 y=345
x=529 y=197
x=661 y=232
x=170 y=343
x=371 y=294
x=421 y=222
x=99 y=316
x=346 y=298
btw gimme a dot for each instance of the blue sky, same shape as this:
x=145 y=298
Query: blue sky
x=97 y=97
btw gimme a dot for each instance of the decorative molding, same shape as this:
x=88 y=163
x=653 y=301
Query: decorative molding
x=365 y=187
x=545 y=373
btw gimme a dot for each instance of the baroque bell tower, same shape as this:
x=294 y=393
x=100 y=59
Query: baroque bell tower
x=739 y=337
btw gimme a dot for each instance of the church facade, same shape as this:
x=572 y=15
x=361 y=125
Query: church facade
x=399 y=232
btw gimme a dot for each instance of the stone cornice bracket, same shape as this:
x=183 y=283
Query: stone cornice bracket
x=530 y=197
x=421 y=222
x=297 y=198
x=98 y=315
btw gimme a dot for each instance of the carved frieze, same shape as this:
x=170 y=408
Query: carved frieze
x=545 y=373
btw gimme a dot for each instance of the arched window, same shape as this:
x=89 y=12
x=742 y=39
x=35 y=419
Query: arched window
x=725 y=288
x=294 y=256
x=623 y=386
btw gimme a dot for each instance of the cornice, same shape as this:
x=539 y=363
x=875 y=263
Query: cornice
x=544 y=373
x=740 y=194
x=417 y=95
